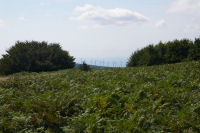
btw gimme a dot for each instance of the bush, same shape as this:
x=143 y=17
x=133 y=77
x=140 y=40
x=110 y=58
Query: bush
x=84 y=67
x=166 y=53
x=33 y=56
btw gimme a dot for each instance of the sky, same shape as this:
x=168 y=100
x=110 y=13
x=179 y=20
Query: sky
x=102 y=32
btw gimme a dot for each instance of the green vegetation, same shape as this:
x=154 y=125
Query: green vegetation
x=158 y=99
x=84 y=67
x=166 y=53
x=35 y=57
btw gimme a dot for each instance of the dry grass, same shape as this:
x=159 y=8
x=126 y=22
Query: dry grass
x=23 y=76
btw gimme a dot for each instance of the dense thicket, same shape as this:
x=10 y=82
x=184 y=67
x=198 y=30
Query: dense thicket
x=157 y=99
x=166 y=53
x=35 y=56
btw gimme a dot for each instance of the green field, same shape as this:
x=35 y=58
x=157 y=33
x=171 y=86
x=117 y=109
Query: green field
x=158 y=99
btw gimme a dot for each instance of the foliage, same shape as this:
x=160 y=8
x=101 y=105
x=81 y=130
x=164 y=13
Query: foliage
x=35 y=57
x=156 y=99
x=84 y=67
x=166 y=53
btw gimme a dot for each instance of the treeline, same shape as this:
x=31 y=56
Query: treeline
x=33 y=56
x=166 y=53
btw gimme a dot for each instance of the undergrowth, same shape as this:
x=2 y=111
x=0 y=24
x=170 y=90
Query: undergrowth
x=158 y=99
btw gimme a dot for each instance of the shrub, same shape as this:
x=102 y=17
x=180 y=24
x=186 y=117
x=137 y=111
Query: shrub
x=84 y=67
x=166 y=53
x=33 y=56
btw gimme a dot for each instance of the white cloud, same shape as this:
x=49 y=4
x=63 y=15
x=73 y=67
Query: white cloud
x=185 y=5
x=101 y=16
x=190 y=10
x=86 y=8
x=160 y=23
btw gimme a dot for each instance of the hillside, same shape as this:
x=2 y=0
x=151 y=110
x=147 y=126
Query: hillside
x=162 y=98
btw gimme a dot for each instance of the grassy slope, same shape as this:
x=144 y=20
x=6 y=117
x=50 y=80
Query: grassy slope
x=144 y=99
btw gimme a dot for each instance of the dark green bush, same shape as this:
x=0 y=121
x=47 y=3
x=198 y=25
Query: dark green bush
x=166 y=53
x=84 y=67
x=33 y=56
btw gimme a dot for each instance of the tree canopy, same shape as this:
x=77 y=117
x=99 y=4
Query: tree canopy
x=33 y=56
x=166 y=53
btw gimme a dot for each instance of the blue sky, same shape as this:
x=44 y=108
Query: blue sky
x=103 y=30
